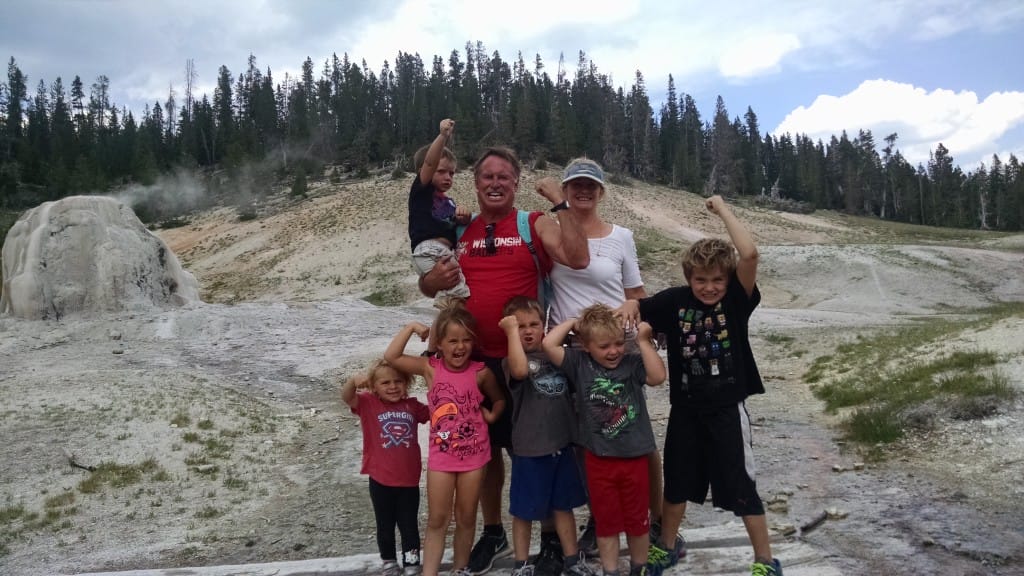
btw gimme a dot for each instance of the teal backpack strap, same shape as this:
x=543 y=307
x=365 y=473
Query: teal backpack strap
x=461 y=229
x=523 y=223
x=544 y=291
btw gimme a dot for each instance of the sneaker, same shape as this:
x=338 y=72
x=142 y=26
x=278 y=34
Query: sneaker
x=486 y=550
x=588 y=540
x=580 y=568
x=390 y=568
x=411 y=558
x=464 y=571
x=659 y=559
x=762 y=569
x=640 y=570
x=549 y=561
x=524 y=570
x=412 y=570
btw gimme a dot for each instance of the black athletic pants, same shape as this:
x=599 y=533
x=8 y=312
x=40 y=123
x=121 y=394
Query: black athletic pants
x=396 y=505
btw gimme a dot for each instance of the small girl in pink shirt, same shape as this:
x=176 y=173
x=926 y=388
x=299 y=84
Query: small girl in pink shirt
x=459 y=443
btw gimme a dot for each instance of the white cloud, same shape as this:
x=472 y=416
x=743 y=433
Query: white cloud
x=965 y=125
x=437 y=27
x=756 y=55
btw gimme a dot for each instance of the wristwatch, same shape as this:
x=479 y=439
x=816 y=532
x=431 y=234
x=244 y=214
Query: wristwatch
x=560 y=206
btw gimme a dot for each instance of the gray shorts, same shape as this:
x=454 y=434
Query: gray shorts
x=428 y=253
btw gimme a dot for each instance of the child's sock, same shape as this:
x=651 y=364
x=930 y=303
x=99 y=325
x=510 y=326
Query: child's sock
x=637 y=570
x=493 y=530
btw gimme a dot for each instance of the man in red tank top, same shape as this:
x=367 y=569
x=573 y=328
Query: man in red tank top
x=497 y=265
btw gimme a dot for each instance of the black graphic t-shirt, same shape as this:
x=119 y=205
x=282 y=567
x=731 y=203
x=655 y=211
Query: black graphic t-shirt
x=709 y=358
x=431 y=213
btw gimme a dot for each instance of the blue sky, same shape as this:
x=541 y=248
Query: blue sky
x=931 y=71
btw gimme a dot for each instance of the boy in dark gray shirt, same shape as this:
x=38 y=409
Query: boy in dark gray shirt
x=545 y=480
x=614 y=427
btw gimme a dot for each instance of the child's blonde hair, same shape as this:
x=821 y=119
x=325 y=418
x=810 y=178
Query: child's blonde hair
x=709 y=254
x=522 y=304
x=598 y=319
x=380 y=364
x=453 y=312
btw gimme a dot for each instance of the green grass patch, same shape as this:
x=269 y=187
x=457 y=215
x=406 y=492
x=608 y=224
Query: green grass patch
x=10 y=513
x=387 y=296
x=181 y=420
x=216 y=448
x=209 y=512
x=888 y=231
x=776 y=338
x=655 y=249
x=65 y=499
x=875 y=425
x=233 y=483
x=197 y=459
x=205 y=424
x=117 y=475
x=888 y=393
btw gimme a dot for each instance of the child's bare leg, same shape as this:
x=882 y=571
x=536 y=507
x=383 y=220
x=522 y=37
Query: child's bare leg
x=638 y=549
x=440 y=494
x=757 y=531
x=467 y=495
x=565 y=526
x=671 y=517
x=490 y=503
x=654 y=479
x=521 y=530
x=608 y=550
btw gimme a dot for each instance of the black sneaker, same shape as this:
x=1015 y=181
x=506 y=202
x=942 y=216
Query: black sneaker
x=640 y=570
x=486 y=550
x=549 y=561
x=587 y=542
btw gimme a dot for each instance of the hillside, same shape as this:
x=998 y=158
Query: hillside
x=219 y=437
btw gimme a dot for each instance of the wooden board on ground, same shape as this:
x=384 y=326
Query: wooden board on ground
x=721 y=550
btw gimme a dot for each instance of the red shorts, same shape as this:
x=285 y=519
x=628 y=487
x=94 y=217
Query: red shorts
x=619 y=494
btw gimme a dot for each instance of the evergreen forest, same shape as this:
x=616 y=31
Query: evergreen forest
x=257 y=131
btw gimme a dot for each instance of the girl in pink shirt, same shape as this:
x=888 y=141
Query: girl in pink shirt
x=459 y=444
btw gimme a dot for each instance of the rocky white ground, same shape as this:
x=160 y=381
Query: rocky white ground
x=229 y=410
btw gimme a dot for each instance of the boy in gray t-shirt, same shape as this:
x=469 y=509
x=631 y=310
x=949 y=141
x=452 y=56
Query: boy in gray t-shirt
x=545 y=479
x=614 y=427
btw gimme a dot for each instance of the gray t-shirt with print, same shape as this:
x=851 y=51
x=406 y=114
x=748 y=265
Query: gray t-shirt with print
x=543 y=417
x=610 y=405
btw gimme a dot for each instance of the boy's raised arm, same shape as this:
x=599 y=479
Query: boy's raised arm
x=653 y=365
x=746 y=268
x=433 y=157
x=518 y=367
x=552 y=343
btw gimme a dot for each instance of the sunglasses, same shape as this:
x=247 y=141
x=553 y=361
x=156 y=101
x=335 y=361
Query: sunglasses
x=489 y=239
